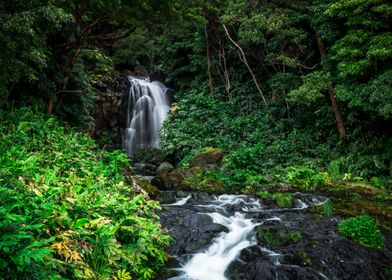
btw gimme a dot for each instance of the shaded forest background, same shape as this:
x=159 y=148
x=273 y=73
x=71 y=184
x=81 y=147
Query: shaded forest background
x=310 y=81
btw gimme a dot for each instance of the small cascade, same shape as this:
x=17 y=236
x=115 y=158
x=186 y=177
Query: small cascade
x=148 y=105
x=239 y=215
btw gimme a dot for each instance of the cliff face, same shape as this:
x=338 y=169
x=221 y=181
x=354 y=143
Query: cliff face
x=110 y=113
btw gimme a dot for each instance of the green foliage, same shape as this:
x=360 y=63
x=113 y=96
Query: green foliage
x=327 y=208
x=283 y=200
x=371 y=97
x=66 y=209
x=264 y=194
x=378 y=182
x=305 y=178
x=283 y=237
x=246 y=158
x=362 y=229
x=310 y=90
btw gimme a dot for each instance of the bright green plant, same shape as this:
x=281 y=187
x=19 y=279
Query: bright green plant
x=264 y=194
x=283 y=200
x=305 y=178
x=67 y=210
x=363 y=230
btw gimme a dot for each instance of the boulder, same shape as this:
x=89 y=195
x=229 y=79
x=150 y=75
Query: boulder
x=173 y=180
x=208 y=157
x=164 y=167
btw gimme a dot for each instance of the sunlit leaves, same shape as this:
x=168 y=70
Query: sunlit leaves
x=66 y=210
x=310 y=90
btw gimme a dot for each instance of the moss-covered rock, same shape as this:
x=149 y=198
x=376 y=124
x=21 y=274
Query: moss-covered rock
x=146 y=185
x=164 y=167
x=207 y=157
x=173 y=180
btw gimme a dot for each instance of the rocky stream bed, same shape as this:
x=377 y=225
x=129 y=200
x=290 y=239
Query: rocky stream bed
x=221 y=237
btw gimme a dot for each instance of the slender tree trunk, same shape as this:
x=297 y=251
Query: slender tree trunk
x=223 y=67
x=334 y=102
x=49 y=107
x=208 y=55
x=244 y=60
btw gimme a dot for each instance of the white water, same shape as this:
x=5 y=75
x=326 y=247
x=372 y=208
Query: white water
x=212 y=263
x=148 y=105
x=181 y=202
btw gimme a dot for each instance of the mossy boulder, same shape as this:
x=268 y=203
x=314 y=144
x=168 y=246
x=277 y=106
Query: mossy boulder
x=147 y=186
x=173 y=180
x=207 y=157
x=164 y=167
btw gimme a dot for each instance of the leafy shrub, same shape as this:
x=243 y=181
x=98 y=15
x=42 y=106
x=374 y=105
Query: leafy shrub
x=246 y=158
x=283 y=200
x=362 y=229
x=238 y=179
x=66 y=209
x=305 y=178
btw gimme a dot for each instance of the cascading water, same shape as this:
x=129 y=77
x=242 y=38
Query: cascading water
x=148 y=105
x=239 y=215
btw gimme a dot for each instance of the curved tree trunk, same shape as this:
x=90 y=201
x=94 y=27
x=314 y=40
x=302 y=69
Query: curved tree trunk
x=334 y=102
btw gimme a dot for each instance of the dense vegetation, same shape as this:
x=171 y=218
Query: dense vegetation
x=321 y=94
x=66 y=210
x=298 y=92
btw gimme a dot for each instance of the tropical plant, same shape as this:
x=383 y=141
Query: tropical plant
x=362 y=229
x=67 y=210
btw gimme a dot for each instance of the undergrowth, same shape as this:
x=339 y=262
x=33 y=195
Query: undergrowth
x=66 y=210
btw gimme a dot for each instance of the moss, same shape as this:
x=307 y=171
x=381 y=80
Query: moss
x=148 y=187
x=353 y=199
x=303 y=258
x=283 y=200
x=279 y=236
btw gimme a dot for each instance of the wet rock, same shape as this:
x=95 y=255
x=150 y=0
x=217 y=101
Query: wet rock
x=192 y=232
x=164 y=167
x=145 y=183
x=210 y=156
x=167 y=197
x=321 y=253
x=144 y=168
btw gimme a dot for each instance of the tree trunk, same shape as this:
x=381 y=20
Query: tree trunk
x=334 y=102
x=210 y=80
x=49 y=107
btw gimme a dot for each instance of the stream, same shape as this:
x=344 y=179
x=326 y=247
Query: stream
x=221 y=237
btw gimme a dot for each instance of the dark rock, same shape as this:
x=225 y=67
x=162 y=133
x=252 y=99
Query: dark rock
x=144 y=168
x=110 y=111
x=145 y=183
x=321 y=253
x=157 y=75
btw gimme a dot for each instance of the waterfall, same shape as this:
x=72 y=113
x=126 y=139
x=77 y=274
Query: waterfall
x=148 y=105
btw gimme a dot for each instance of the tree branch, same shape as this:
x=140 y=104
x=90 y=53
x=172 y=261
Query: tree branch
x=244 y=60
